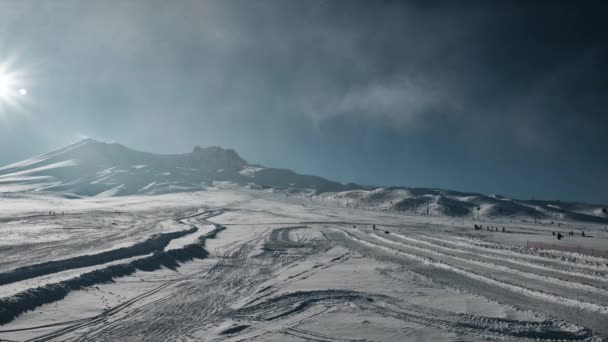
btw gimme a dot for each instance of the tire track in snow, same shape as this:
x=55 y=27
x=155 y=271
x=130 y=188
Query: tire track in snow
x=491 y=281
x=13 y=306
x=197 y=302
x=484 y=245
x=281 y=312
x=493 y=266
x=516 y=258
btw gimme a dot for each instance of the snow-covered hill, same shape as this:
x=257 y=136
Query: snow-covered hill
x=438 y=202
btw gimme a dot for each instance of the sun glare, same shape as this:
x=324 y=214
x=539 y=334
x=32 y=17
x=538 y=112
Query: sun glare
x=12 y=90
x=5 y=84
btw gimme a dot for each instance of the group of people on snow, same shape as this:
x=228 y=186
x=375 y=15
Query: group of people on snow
x=570 y=233
x=490 y=228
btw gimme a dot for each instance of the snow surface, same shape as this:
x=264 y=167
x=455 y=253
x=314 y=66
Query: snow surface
x=284 y=267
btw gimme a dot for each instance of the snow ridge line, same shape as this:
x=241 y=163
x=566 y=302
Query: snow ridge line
x=485 y=245
x=12 y=307
x=156 y=242
x=514 y=288
x=566 y=271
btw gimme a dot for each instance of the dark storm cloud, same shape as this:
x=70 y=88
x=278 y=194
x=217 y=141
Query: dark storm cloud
x=489 y=96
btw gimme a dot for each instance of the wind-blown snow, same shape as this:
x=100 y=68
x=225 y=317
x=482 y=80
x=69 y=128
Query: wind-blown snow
x=250 y=171
x=38 y=169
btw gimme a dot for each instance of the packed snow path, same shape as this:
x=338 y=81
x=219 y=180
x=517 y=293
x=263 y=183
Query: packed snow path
x=247 y=265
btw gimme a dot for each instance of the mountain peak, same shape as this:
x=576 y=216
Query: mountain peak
x=216 y=155
x=91 y=141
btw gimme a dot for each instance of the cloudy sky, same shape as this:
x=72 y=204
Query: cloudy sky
x=495 y=97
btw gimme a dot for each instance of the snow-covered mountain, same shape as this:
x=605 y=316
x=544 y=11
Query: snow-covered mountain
x=94 y=168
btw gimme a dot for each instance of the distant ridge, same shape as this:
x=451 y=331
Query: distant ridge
x=439 y=202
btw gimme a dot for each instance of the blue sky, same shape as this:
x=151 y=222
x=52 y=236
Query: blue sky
x=493 y=97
